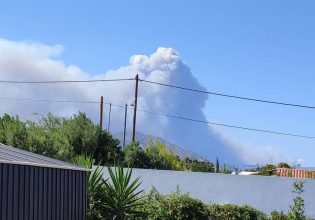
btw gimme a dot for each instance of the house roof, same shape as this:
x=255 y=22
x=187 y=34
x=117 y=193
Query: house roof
x=12 y=155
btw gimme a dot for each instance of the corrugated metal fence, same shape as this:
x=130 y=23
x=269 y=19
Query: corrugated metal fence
x=296 y=173
x=38 y=193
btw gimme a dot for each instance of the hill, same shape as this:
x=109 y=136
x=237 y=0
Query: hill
x=143 y=139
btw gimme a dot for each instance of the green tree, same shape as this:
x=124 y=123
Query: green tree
x=217 y=167
x=13 y=131
x=108 y=151
x=48 y=138
x=157 y=159
x=202 y=166
x=278 y=216
x=283 y=165
x=135 y=156
x=268 y=170
x=298 y=208
x=82 y=134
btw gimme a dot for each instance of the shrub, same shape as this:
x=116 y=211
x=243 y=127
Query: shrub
x=234 y=212
x=298 y=209
x=122 y=199
x=278 y=216
x=176 y=206
x=135 y=156
x=95 y=188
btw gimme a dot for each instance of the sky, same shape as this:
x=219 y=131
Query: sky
x=255 y=49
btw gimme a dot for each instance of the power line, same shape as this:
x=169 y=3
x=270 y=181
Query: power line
x=168 y=115
x=161 y=84
x=228 y=96
x=228 y=125
x=48 y=100
x=64 y=81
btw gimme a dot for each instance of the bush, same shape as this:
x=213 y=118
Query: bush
x=176 y=206
x=135 y=156
x=298 y=208
x=278 y=216
x=234 y=212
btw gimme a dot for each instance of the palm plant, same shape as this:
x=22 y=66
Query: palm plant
x=95 y=188
x=95 y=194
x=122 y=200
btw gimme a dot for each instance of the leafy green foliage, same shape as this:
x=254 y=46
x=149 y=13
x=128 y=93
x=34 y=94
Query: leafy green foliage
x=61 y=138
x=298 y=209
x=13 y=131
x=135 y=156
x=200 y=166
x=219 y=212
x=176 y=206
x=157 y=159
x=95 y=189
x=122 y=198
x=278 y=216
x=81 y=133
x=65 y=138
x=108 y=152
x=267 y=170
x=283 y=165
x=217 y=166
x=116 y=198
x=47 y=137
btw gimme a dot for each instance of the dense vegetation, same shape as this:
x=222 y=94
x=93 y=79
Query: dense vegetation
x=119 y=198
x=65 y=138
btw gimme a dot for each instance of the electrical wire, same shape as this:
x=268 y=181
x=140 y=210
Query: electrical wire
x=228 y=125
x=64 y=81
x=170 y=116
x=228 y=96
x=48 y=100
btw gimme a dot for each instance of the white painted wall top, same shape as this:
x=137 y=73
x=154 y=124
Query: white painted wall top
x=264 y=193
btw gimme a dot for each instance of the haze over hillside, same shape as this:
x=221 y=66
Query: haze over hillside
x=144 y=138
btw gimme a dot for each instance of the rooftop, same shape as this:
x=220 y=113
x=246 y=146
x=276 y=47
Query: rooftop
x=12 y=155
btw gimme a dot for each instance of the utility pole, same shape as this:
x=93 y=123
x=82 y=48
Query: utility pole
x=110 y=111
x=135 y=110
x=101 y=112
x=124 y=142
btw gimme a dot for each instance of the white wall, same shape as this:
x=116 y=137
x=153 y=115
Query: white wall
x=264 y=193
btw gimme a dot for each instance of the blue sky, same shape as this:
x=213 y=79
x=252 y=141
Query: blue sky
x=262 y=49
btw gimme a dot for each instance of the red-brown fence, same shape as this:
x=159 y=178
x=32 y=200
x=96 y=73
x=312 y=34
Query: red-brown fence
x=296 y=173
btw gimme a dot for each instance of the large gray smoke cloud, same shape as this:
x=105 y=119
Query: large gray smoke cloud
x=33 y=61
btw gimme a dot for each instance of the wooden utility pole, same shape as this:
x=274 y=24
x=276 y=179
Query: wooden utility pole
x=125 y=124
x=101 y=112
x=135 y=110
x=109 y=114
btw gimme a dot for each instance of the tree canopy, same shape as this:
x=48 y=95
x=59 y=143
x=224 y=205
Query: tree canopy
x=65 y=138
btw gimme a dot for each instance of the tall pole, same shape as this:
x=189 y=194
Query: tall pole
x=110 y=111
x=135 y=110
x=126 y=106
x=101 y=112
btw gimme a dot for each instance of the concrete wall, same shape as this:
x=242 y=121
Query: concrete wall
x=264 y=193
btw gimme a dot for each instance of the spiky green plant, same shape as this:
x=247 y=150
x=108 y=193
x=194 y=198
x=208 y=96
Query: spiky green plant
x=95 y=188
x=122 y=198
